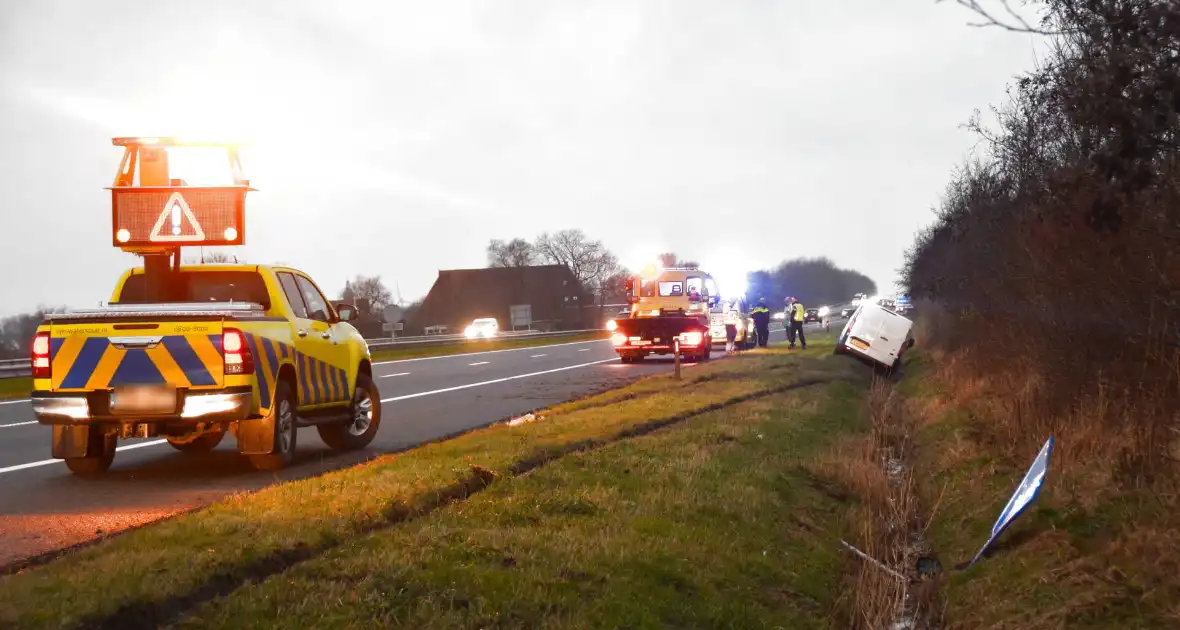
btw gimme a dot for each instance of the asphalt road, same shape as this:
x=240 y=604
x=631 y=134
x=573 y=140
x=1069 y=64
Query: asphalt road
x=44 y=508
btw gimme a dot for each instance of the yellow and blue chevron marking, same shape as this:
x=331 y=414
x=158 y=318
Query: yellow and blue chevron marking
x=92 y=363
x=318 y=382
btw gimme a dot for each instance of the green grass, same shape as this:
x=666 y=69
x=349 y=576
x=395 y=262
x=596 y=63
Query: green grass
x=588 y=517
x=20 y=387
x=15 y=387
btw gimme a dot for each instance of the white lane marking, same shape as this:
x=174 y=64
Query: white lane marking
x=584 y=350
x=479 y=363
x=17 y=424
x=538 y=355
x=392 y=375
x=472 y=354
x=46 y=462
x=13 y=402
x=498 y=380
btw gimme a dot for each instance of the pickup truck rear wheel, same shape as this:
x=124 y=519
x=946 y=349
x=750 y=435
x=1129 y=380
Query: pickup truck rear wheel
x=364 y=419
x=100 y=453
x=283 y=415
x=207 y=442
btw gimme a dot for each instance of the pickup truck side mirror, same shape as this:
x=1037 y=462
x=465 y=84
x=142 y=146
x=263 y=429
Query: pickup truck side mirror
x=346 y=312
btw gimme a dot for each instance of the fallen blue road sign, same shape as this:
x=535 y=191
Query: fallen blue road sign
x=1025 y=493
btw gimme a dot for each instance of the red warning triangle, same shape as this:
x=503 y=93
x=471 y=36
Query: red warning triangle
x=176 y=223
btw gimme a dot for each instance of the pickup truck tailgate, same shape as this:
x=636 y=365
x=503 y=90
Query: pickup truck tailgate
x=101 y=355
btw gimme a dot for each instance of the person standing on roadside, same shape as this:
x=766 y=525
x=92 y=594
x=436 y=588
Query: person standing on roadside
x=761 y=317
x=795 y=315
x=730 y=328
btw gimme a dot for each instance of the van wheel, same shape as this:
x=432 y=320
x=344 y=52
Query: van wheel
x=363 y=422
x=207 y=442
x=282 y=414
x=100 y=453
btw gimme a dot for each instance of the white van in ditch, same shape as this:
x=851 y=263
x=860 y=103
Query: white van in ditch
x=876 y=333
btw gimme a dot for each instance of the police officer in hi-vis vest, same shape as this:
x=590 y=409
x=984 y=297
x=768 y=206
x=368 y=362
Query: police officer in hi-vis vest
x=761 y=317
x=795 y=315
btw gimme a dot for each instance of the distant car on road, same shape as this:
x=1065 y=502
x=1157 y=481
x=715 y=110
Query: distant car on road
x=483 y=327
x=811 y=315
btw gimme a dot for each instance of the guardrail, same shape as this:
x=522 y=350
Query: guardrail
x=15 y=368
x=12 y=368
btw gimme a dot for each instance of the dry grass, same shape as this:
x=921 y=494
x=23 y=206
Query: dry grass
x=1096 y=550
x=888 y=522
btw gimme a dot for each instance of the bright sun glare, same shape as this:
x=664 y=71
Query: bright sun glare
x=200 y=166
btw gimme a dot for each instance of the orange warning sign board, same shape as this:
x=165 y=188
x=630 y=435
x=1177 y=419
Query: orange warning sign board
x=166 y=217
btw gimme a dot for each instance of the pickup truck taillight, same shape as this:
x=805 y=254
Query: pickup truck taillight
x=40 y=356
x=238 y=359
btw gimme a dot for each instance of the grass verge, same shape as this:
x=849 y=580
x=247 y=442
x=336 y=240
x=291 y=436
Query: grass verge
x=20 y=387
x=1096 y=549
x=588 y=517
x=11 y=388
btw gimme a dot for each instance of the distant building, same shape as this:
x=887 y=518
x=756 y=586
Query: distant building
x=546 y=297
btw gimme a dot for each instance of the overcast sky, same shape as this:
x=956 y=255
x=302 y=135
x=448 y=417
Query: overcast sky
x=396 y=138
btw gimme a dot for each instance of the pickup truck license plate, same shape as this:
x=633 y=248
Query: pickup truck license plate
x=859 y=344
x=641 y=342
x=151 y=400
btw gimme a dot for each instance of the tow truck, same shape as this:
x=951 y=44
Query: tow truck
x=669 y=314
x=189 y=353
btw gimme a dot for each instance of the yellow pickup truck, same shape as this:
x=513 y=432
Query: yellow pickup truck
x=254 y=350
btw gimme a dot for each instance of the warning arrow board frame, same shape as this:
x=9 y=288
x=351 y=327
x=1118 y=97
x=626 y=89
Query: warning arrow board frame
x=140 y=216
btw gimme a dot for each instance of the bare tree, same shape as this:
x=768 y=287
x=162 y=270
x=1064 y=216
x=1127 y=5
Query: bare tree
x=1015 y=22
x=515 y=253
x=367 y=290
x=614 y=287
x=16 y=332
x=589 y=260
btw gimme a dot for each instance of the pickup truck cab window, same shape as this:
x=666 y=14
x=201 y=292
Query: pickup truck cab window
x=202 y=286
x=317 y=306
x=293 y=294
